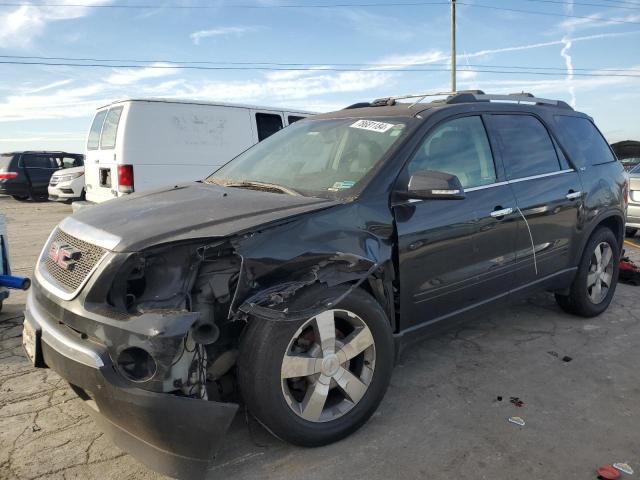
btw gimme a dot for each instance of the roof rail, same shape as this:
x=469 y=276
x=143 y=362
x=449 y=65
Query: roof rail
x=388 y=101
x=522 y=97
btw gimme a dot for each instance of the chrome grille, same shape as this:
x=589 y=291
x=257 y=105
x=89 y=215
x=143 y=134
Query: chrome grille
x=71 y=279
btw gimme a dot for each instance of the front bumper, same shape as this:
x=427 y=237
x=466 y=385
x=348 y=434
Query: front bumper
x=176 y=436
x=633 y=215
x=62 y=192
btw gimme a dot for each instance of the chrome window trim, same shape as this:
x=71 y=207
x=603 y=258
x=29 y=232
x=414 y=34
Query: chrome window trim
x=483 y=187
x=542 y=175
x=62 y=343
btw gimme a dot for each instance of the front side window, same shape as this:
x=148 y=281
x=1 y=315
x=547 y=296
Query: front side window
x=459 y=147
x=583 y=141
x=526 y=146
x=93 y=142
x=322 y=158
x=70 y=162
x=110 y=129
x=293 y=118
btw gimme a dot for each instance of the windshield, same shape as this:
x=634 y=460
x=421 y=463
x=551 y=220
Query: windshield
x=321 y=158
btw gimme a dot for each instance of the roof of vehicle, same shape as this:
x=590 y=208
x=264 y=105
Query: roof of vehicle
x=202 y=102
x=391 y=107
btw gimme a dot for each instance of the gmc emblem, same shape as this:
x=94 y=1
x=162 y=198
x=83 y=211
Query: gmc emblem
x=65 y=256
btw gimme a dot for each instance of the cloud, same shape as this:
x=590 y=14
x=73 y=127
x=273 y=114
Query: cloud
x=566 y=55
x=20 y=26
x=134 y=75
x=196 y=37
x=292 y=89
x=307 y=85
x=595 y=20
x=49 y=86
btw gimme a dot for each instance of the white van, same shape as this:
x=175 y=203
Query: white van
x=140 y=144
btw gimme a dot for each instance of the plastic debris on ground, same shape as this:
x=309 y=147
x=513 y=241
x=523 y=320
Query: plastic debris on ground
x=607 y=472
x=624 y=468
x=629 y=272
x=517 y=421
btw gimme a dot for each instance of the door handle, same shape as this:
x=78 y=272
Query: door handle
x=502 y=212
x=573 y=195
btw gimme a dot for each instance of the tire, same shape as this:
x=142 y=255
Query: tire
x=631 y=232
x=278 y=402
x=586 y=300
x=20 y=198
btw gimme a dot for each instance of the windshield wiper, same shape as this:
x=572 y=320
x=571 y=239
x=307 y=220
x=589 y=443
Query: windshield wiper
x=262 y=186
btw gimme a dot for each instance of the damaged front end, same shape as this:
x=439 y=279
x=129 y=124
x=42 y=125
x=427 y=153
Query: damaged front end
x=150 y=338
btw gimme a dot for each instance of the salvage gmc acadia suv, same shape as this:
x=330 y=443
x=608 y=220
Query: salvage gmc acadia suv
x=293 y=275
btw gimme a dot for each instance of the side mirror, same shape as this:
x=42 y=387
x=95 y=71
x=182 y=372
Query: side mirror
x=431 y=185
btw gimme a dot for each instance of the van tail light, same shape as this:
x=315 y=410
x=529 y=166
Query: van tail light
x=8 y=175
x=125 y=178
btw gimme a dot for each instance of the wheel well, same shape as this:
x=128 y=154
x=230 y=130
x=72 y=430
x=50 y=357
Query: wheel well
x=616 y=225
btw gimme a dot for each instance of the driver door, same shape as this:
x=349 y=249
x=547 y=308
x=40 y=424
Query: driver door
x=456 y=254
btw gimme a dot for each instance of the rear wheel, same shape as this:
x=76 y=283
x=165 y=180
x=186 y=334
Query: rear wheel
x=20 y=198
x=597 y=277
x=631 y=232
x=315 y=381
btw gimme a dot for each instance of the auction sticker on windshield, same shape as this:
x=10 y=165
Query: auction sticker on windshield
x=372 y=126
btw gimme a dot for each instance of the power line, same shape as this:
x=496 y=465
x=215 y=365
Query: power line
x=236 y=6
x=549 y=14
x=307 y=69
x=617 y=4
x=311 y=66
x=585 y=4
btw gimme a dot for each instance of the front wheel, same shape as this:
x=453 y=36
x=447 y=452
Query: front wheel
x=597 y=277
x=315 y=381
x=631 y=232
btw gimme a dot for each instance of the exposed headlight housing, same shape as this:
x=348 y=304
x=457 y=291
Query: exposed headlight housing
x=136 y=364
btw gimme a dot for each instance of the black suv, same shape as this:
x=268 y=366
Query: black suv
x=301 y=268
x=25 y=175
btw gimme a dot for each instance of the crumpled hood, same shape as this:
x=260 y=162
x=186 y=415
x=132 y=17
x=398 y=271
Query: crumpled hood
x=195 y=210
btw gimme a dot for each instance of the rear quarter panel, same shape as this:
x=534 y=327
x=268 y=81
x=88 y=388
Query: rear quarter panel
x=604 y=189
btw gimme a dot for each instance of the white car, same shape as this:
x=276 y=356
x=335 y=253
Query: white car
x=67 y=185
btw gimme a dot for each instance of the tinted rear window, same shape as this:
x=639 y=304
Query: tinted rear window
x=44 y=162
x=583 y=142
x=93 y=142
x=110 y=129
x=526 y=146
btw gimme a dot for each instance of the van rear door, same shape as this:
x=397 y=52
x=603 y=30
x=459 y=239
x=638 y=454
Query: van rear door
x=101 y=170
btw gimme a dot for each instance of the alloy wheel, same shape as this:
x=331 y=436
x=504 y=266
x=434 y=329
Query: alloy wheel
x=328 y=365
x=600 y=273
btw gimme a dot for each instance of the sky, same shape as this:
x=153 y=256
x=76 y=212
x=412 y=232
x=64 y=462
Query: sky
x=591 y=59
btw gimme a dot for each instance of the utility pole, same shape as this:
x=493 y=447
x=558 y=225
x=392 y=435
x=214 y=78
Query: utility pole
x=453 y=45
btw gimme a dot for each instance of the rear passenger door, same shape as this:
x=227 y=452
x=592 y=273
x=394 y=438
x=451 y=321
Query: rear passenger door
x=39 y=169
x=455 y=254
x=548 y=195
